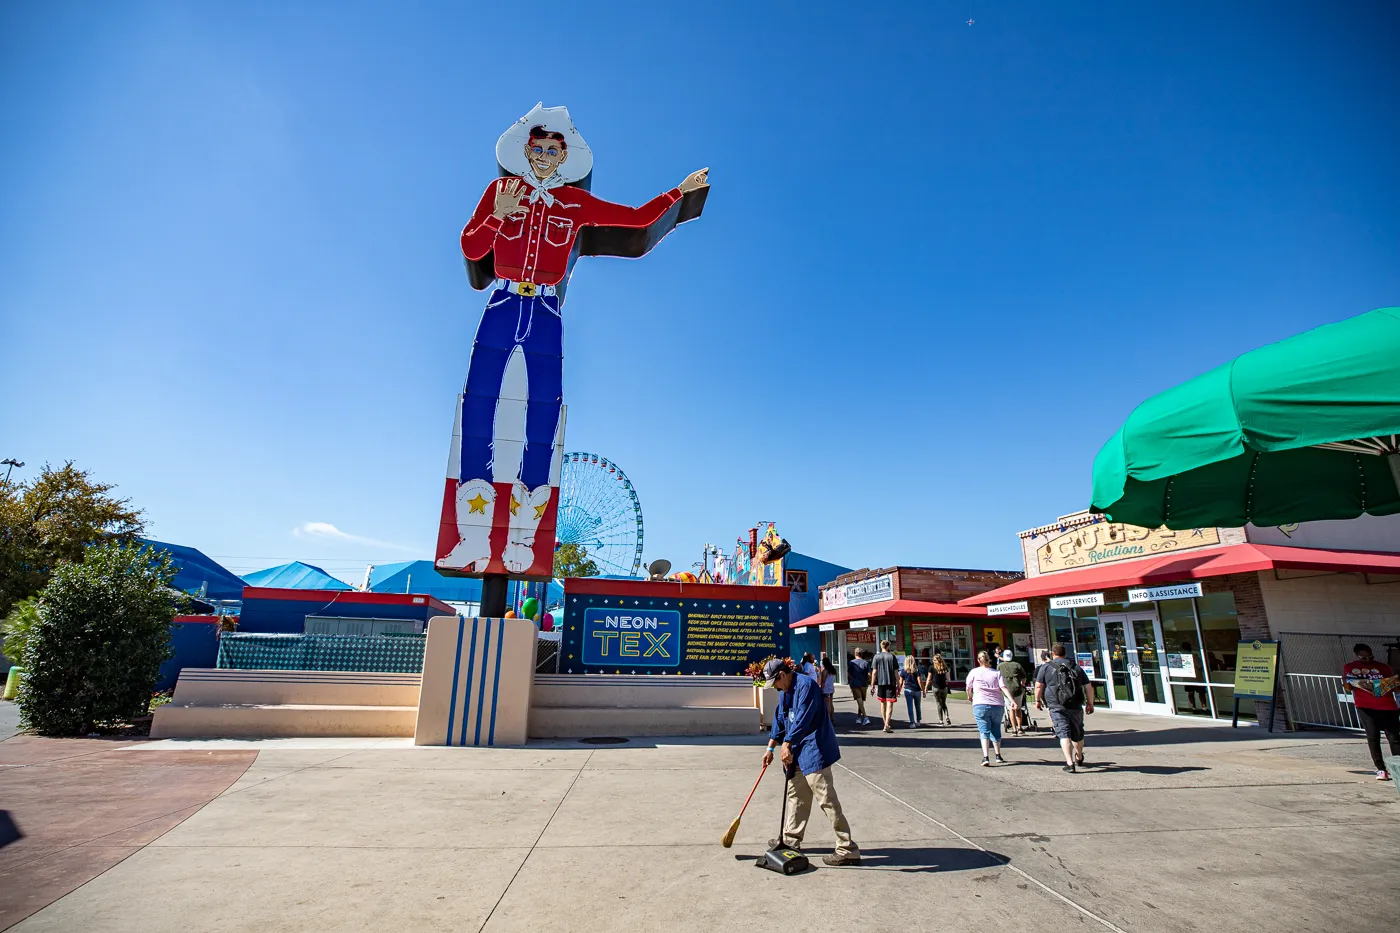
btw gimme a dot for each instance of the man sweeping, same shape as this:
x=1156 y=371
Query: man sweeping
x=803 y=728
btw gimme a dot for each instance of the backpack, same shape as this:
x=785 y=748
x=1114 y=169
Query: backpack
x=1065 y=690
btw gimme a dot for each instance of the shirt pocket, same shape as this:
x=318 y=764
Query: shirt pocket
x=512 y=227
x=558 y=231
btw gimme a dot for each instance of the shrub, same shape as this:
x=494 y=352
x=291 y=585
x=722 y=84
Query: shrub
x=103 y=630
x=17 y=627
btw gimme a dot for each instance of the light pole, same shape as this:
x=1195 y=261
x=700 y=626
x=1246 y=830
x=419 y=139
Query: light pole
x=11 y=463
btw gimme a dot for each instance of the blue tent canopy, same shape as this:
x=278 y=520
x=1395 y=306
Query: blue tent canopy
x=296 y=576
x=198 y=572
x=420 y=576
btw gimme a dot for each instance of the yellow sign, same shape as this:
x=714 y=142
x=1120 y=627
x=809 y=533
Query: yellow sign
x=1255 y=667
x=1106 y=542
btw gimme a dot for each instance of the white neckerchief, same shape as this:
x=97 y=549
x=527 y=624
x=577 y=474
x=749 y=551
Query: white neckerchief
x=541 y=188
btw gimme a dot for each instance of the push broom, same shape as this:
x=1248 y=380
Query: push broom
x=728 y=839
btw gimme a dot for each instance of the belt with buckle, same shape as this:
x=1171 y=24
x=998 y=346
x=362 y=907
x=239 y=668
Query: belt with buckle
x=528 y=289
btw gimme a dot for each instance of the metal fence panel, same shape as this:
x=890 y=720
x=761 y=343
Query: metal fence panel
x=1312 y=676
x=396 y=654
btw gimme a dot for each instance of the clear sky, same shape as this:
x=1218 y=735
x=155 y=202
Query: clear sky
x=939 y=264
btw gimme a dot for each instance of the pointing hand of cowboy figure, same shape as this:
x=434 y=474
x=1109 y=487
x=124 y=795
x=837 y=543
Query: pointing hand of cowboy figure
x=508 y=198
x=695 y=181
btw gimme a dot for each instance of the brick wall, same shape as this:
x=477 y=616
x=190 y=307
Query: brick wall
x=949 y=586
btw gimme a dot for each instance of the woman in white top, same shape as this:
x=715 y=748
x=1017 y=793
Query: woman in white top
x=989 y=696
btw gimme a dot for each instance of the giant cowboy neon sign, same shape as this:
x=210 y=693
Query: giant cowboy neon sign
x=501 y=497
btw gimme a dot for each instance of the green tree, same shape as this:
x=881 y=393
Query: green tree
x=51 y=519
x=102 y=633
x=571 y=560
x=17 y=627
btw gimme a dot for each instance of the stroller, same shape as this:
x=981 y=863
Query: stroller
x=1028 y=723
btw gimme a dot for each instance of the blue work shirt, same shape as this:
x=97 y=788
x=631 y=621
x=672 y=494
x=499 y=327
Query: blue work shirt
x=801 y=719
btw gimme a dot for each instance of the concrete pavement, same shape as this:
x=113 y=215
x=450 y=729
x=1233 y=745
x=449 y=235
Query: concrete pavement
x=9 y=719
x=1181 y=827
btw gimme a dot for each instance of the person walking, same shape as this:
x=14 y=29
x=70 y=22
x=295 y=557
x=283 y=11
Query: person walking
x=858 y=675
x=1063 y=687
x=925 y=666
x=988 y=694
x=886 y=670
x=1015 y=677
x=1373 y=688
x=829 y=685
x=938 y=683
x=913 y=691
x=808 y=750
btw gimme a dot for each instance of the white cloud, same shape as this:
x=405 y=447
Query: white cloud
x=327 y=531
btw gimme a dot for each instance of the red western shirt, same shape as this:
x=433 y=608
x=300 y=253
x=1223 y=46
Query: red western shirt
x=535 y=246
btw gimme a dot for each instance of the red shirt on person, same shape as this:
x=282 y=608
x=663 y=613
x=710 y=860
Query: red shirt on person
x=535 y=246
x=1373 y=671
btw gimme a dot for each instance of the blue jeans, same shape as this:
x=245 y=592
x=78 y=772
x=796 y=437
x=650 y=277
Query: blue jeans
x=913 y=700
x=989 y=720
x=533 y=325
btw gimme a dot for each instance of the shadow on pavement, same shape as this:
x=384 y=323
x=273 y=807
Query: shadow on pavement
x=9 y=832
x=914 y=860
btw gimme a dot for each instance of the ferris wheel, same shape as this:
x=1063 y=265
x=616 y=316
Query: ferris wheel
x=600 y=512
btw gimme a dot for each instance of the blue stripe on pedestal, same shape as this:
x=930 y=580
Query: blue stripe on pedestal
x=456 y=668
x=496 y=684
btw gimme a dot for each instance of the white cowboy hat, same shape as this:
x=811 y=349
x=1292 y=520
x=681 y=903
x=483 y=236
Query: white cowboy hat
x=510 y=148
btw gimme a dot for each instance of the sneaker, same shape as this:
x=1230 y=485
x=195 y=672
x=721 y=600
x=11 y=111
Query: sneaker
x=779 y=844
x=839 y=860
x=1069 y=768
x=1001 y=760
x=1382 y=775
x=985 y=762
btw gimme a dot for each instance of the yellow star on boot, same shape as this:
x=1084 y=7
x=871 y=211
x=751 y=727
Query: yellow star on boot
x=514 y=505
x=478 y=504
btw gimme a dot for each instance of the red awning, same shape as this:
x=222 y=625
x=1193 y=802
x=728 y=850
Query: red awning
x=896 y=607
x=1191 y=565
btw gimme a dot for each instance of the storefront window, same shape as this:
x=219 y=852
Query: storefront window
x=1088 y=651
x=954 y=642
x=1185 y=663
x=1061 y=629
x=1220 y=637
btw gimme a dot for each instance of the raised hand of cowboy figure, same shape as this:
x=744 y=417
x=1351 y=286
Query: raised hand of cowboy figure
x=509 y=194
x=501 y=496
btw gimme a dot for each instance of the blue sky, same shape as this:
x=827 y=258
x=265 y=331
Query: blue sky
x=939 y=264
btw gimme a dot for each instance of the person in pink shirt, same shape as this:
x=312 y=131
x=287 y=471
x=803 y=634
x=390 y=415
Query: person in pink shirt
x=989 y=695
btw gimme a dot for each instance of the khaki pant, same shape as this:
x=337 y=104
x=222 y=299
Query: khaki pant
x=858 y=694
x=801 y=791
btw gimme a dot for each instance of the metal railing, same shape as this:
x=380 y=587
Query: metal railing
x=1318 y=700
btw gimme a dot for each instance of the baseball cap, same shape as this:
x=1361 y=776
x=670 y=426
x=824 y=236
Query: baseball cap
x=1006 y=655
x=773 y=668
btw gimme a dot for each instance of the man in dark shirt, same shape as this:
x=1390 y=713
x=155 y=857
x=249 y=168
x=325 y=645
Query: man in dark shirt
x=858 y=674
x=809 y=750
x=1064 y=688
x=886 y=668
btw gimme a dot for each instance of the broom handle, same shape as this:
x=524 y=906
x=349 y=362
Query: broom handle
x=751 y=793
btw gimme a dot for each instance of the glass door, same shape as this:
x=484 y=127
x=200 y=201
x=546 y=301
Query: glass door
x=1134 y=657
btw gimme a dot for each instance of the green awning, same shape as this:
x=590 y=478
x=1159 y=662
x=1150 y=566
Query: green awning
x=1301 y=430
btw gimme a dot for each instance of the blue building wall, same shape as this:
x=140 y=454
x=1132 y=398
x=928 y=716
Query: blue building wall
x=196 y=644
x=804 y=640
x=819 y=572
x=289 y=615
